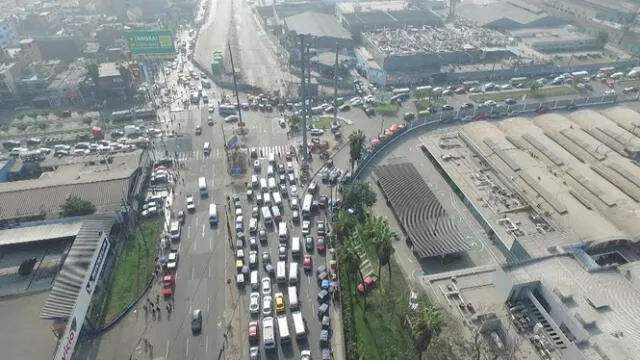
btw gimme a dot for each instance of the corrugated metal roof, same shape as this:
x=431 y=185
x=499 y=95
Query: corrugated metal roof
x=28 y=234
x=317 y=24
x=105 y=195
x=63 y=295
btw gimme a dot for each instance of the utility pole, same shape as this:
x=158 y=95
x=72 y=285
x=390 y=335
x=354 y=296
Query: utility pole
x=303 y=90
x=241 y=124
x=335 y=88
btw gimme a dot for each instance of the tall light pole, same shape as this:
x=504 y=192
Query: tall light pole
x=335 y=87
x=303 y=90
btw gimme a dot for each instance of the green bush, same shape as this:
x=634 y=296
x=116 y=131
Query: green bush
x=42 y=125
x=87 y=120
x=20 y=116
x=22 y=126
x=386 y=109
x=32 y=115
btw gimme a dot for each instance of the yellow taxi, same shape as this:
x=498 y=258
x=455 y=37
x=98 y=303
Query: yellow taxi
x=279 y=299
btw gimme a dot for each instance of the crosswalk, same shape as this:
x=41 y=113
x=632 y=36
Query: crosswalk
x=219 y=153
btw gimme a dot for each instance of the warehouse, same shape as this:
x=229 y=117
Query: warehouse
x=509 y=15
x=324 y=29
x=557 y=40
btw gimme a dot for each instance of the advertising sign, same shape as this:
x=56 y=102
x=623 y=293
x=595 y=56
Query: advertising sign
x=76 y=321
x=150 y=43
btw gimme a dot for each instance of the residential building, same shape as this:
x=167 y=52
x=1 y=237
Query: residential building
x=8 y=74
x=65 y=48
x=112 y=84
x=8 y=34
x=64 y=90
x=36 y=77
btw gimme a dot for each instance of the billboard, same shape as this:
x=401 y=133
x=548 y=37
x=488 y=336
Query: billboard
x=76 y=321
x=150 y=43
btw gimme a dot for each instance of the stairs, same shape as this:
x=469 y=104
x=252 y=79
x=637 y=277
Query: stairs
x=365 y=266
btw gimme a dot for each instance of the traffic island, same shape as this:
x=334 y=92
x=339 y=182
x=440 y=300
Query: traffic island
x=134 y=269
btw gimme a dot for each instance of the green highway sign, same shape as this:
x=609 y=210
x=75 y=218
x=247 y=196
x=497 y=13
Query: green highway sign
x=150 y=43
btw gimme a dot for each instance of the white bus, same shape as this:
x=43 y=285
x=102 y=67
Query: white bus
x=401 y=91
x=295 y=246
x=283 y=329
x=213 y=214
x=292 y=293
x=202 y=186
x=298 y=324
x=281 y=272
x=306 y=206
x=293 y=273
x=283 y=232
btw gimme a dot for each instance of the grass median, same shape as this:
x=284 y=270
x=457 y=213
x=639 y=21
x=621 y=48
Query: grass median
x=386 y=109
x=378 y=330
x=323 y=122
x=518 y=95
x=133 y=270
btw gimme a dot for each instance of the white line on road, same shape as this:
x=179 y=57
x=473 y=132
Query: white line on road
x=187 y=350
x=206 y=344
x=208 y=303
x=410 y=261
x=188 y=231
x=309 y=279
x=192 y=270
x=210 y=243
x=203 y=231
x=166 y=350
x=197 y=220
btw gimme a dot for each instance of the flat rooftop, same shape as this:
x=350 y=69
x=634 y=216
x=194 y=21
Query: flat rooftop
x=352 y=7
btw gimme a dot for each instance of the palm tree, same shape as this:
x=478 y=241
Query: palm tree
x=356 y=145
x=350 y=262
x=428 y=325
x=344 y=225
x=384 y=247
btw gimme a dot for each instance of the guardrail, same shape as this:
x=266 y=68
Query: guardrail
x=447 y=118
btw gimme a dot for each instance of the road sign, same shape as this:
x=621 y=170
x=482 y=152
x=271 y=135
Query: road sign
x=150 y=43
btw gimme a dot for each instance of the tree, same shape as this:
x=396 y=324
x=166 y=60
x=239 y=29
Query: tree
x=603 y=38
x=356 y=145
x=344 y=225
x=427 y=327
x=358 y=196
x=75 y=206
x=383 y=243
x=534 y=86
x=294 y=122
x=93 y=70
x=350 y=262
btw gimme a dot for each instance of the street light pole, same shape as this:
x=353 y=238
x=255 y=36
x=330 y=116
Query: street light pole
x=303 y=90
x=335 y=87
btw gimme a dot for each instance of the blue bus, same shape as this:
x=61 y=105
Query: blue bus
x=226 y=110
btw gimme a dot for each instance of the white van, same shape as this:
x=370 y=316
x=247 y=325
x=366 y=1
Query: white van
x=294 y=203
x=293 y=273
x=213 y=214
x=175 y=230
x=275 y=211
x=273 y=186
x=283 y=232
x=277 y=199
x=281 y=272
x=272 y=159
x=266 y=215
x=270 y=171
x=295 y=246
x=207 y=148
x=263 y=185
x=293 y=297
x=267 y=199
x=255 y=282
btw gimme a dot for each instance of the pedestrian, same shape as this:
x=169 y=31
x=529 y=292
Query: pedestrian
x=158 y=298
x=153 y=311
x=144 y=307
x=151 y=304
x=168 y=309
x=158 y=309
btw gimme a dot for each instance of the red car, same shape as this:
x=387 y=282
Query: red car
x=368 y=284
x=288 y=155
x=307 y=264
x=253 y=331
x=323 y=201
x=320 y=244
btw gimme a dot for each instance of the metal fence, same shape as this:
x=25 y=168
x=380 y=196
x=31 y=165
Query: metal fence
x=438 y=119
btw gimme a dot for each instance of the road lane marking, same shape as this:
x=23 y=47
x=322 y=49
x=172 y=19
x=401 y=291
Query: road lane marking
x=210 y=243
x=203 y=232
x=208 y=303
x=192 y=270
x=189 y=231
x=187 y=350
x=206 y=344
x=166 y=350
x=197 y=219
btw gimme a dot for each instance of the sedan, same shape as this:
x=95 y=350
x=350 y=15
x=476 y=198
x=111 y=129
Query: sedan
x=308 y=243
x=253 y=331
x=282 y=252
x=320 y=228
x=307 y=263
x=191 y=206
x=266 y=286
x=316 y=132
x=266 y=257
x=254 y=303
x=320 y=244
x=306 y=227
x=253 y=259
x=254 y=353
x=266 y=305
